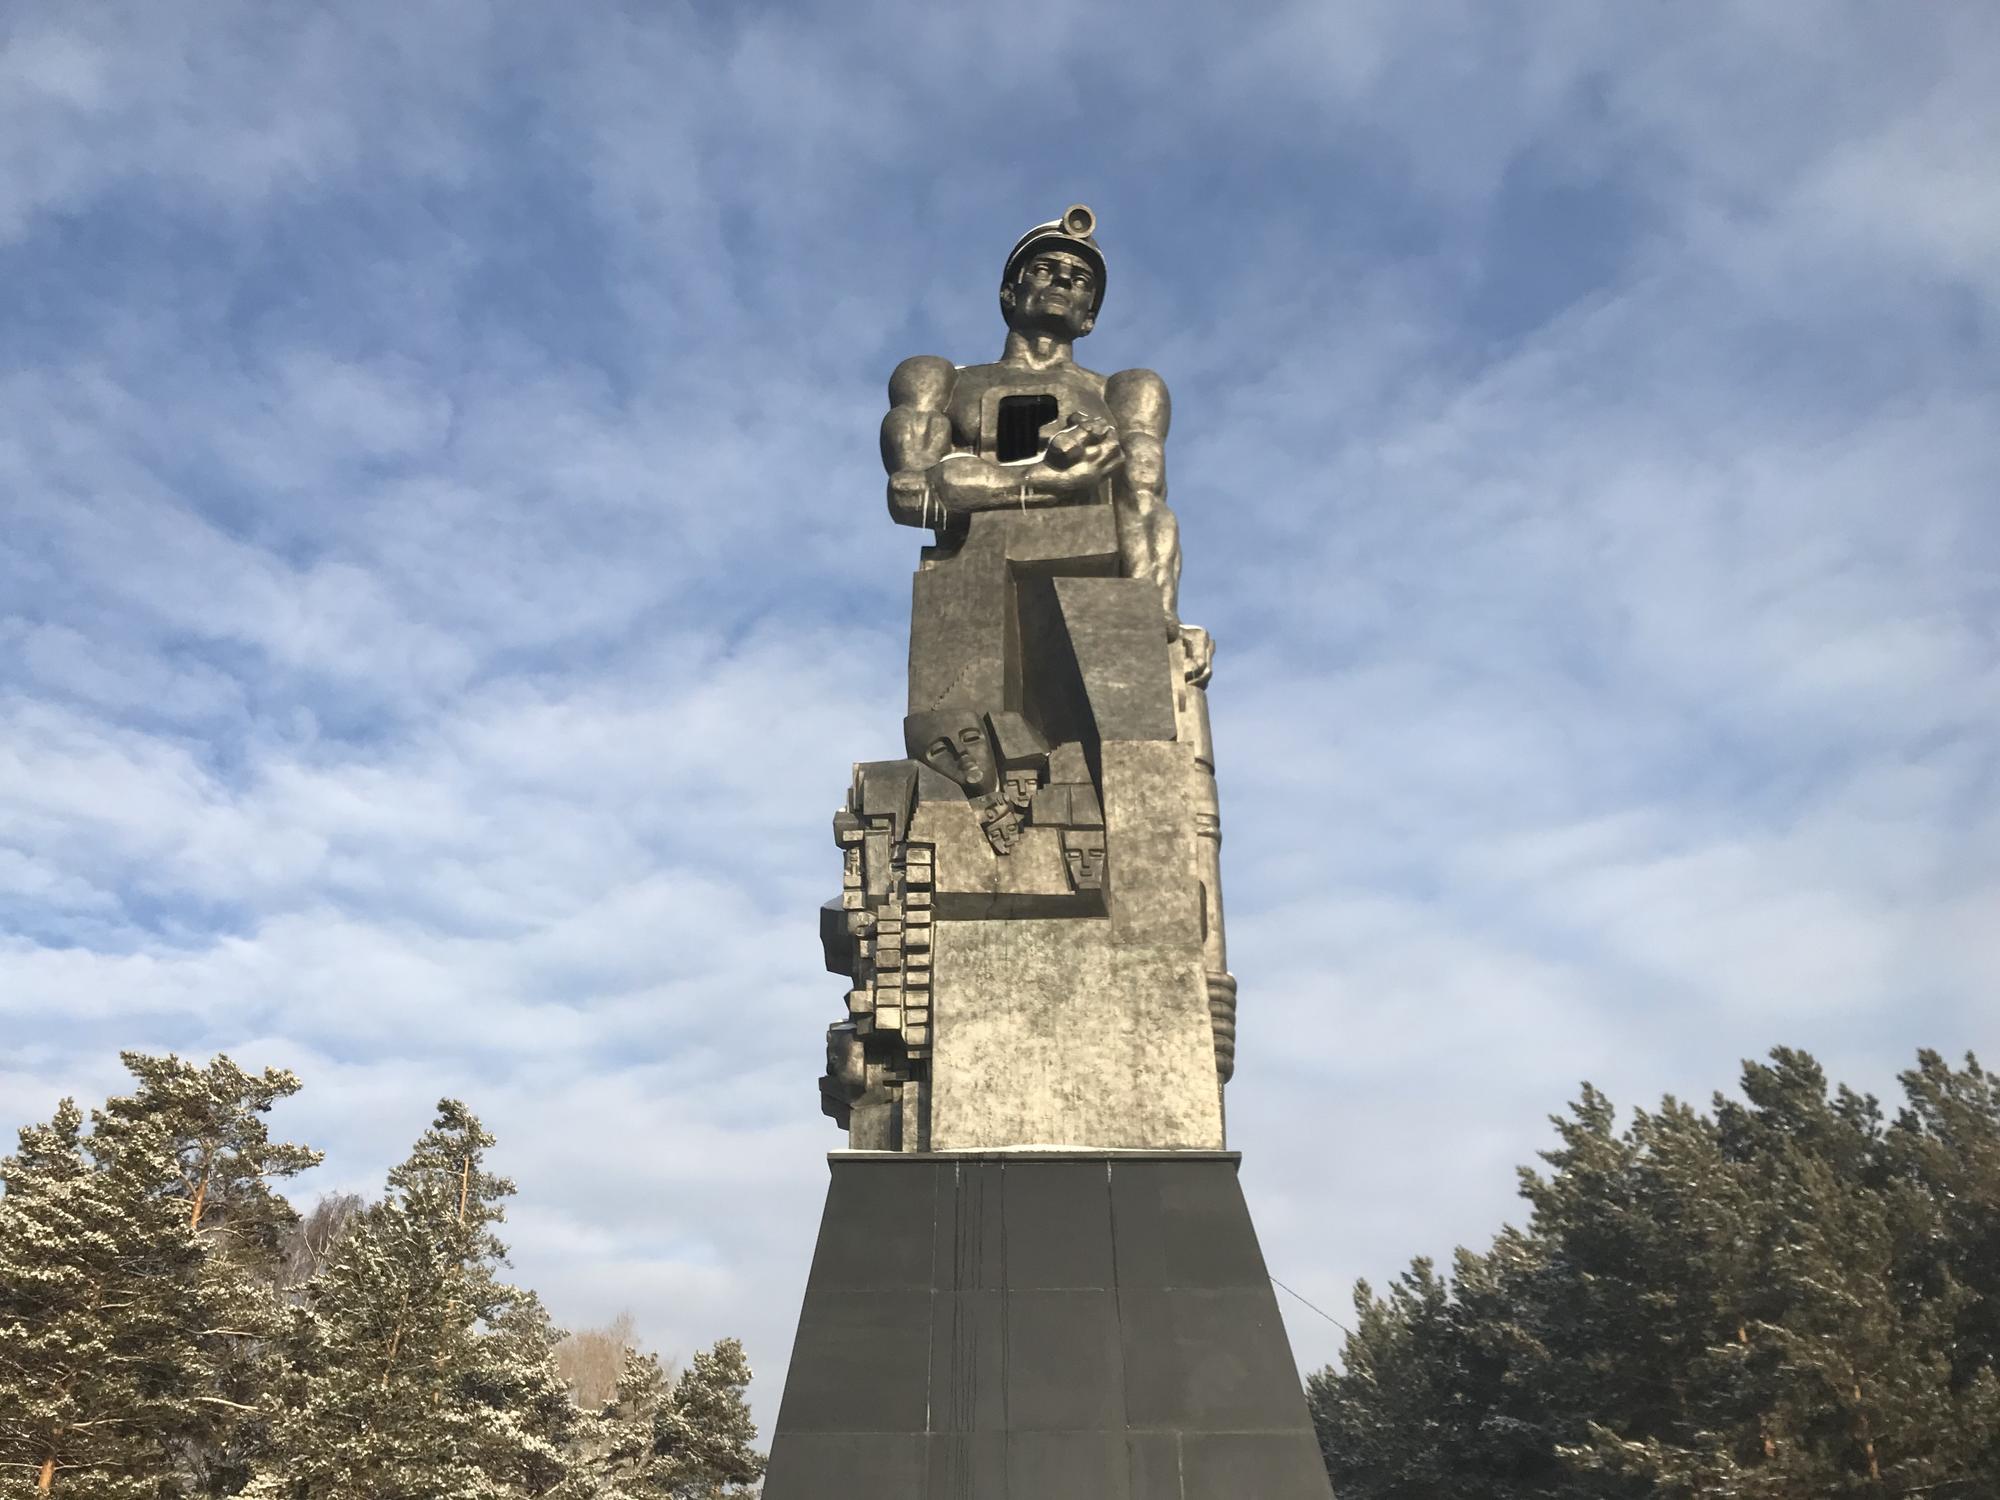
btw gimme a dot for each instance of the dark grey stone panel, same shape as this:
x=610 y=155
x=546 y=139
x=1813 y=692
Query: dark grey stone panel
x=1067 y=1466
x=861 y=1361
x=1058 y=1217
x=876 y=1232
x=1155 y=1460
x=1184 y=1224
x=1208 y=1361
x=846 y=1466
x=1174 y=1383
x=1235 y=1465
x=1064 y=1362
x=969 y=1362
x=1028 y=1466
x=968 y=1466
x=970 y=1230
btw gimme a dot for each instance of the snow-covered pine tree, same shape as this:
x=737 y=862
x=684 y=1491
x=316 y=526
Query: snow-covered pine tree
x=1863 y=1309
x=1945 y=1146
x=73 y=1420
x=416 y=1371
x=197 y=1136
x=1785 y=1299
x=706 y=1430
x=535 y=1437
x=690 y=1439
x=135 y=1303
x=630 y=1465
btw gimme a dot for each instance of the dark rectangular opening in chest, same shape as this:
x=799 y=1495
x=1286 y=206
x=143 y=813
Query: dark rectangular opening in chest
x=1019 y=424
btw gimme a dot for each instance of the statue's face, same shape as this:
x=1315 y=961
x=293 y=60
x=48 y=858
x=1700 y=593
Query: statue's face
x=962 y=754
x=1052 y=292
x=1018 y=786
x=1083 y=852
x=846 y=1060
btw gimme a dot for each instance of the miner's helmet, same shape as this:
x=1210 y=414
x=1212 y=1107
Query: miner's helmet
x=1072 y=233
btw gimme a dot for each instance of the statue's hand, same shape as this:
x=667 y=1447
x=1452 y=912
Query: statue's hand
x=1084 y=452
x=909 y=491
x=1199 y=646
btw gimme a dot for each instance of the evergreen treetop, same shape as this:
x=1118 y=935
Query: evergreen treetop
x=1784 y=1297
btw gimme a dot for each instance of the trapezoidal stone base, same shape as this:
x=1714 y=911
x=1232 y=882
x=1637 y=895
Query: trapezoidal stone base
x=1041 y=1326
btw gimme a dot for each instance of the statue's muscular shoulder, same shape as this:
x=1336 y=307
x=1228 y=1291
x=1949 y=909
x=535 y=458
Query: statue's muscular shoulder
x=1139 y=402
x=923 y=381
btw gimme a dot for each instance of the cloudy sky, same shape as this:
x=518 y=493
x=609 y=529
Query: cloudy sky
x=444 y=578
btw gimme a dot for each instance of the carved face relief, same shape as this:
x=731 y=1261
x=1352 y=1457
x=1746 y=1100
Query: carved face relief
x=846 y=1061
x=963 y=754
x=1002 y=822
x=1083 y=853
x=1019 y=785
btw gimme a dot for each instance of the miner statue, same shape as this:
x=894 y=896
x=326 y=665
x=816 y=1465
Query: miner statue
x=1035 y=895
x=1036 y=1276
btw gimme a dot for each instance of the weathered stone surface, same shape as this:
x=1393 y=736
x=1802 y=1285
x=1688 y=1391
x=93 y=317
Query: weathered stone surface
x=1052 y=1033
x=1113 y=639
x=1031 y=914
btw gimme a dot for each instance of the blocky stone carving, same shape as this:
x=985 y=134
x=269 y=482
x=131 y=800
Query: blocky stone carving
x=1031 y=912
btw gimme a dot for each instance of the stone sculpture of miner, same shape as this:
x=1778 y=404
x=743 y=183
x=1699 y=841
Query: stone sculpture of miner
x=1041 y=480
x=937 y=437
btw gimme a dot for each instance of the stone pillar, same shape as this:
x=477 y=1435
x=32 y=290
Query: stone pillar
x=1041 y=1326
x=1036 y=1277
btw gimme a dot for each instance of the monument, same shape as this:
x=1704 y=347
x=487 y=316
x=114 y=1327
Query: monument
x=1036 y=1276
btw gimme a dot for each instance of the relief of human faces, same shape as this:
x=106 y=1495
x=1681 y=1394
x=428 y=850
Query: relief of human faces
x=955 y=745
x=1018 y=786
x=846 y=1060
x=1083 y=853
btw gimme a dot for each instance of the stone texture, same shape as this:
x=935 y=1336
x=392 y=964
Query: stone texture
x=1030 y=917
x=1051 y=1033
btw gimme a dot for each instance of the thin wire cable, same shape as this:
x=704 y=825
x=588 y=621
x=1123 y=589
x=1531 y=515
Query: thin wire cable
x=1314 y=1306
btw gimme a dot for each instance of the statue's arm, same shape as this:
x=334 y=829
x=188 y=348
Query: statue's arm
x=1149 y=538
x=929 y=483
x=916 y=435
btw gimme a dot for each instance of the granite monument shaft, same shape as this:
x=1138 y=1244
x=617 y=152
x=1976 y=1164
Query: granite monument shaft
x=1031 y=909
x=1036 y=1276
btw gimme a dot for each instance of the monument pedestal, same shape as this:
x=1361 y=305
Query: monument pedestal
x=1024 y=1325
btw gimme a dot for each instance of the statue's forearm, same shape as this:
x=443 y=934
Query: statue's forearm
x=961 y=483
x=1155 y=553
x=966 y=482
x=1148 y=533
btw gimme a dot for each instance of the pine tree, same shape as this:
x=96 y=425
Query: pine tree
x=706 y=1431
x=1945 y=1147
x=416 y=1371
x=1384 y=1421
x=1863 y=1308
x=1784 y=1300
x=74 y=1415
x=199 y=1135
x=690 y=1440
x=535 y=1439
x=135 y=1309
x=631 y=1464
